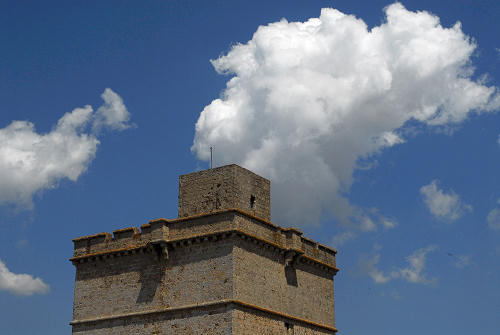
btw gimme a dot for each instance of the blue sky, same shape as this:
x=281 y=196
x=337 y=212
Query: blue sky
x=379 y=130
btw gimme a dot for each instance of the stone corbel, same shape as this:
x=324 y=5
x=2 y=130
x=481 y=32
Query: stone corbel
x=291 y=256
x=160 y=247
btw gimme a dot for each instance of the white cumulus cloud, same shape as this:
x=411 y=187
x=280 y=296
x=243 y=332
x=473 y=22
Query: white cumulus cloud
x=30 y=162
x=307 y=100
x=21 y=284
x=443 y=205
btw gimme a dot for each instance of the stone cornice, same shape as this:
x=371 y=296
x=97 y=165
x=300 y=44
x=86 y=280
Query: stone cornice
x=176 y=243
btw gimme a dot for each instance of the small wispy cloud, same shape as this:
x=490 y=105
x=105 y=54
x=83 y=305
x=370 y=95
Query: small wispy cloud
x=414 y=272
x=493 y=218
x=20 y=284
x=388 y=223
x=341 y=238
x=368 y=265
x=395 y=294
x=384 y=221
x=370 y=221
x=461 y=261
x=21 y=244
x=446 y=206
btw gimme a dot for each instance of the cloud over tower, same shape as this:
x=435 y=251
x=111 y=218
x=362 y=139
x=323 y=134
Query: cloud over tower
x=306 y=100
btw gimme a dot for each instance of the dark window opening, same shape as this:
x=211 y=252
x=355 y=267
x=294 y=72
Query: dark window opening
x=291 y=276
x=252 y=201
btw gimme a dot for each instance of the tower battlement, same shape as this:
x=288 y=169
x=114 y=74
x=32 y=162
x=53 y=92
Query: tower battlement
x=229 y=222
x=216 y=269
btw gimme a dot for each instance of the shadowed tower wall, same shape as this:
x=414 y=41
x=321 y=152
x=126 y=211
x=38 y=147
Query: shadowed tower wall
x=221 y=267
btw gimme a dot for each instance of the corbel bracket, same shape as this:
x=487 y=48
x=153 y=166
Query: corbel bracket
x=160 y=247
x=291 y=256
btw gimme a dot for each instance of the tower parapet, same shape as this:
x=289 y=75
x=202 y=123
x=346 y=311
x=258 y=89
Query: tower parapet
x=203 y=226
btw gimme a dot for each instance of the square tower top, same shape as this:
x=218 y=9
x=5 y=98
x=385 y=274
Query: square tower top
x=225 y=187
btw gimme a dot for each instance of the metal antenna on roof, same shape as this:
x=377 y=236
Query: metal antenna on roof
x=210 y=157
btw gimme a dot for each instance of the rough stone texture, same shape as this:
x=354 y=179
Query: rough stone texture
x=138 y=282
x=226 y=271
x=278 y=287
x=225 y=187
x=193 y=322
x=251 y=322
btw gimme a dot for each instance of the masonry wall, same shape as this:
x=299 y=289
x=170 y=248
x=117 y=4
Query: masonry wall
x=302 y=290
x=246 y=322
x=250 y=185
x=196 y=273
x=225 y=187
x=179 y=229
x=211 y=257
x=288 y=238
x=211 y=321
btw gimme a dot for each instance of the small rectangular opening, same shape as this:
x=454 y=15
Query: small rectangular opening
x=252 y=201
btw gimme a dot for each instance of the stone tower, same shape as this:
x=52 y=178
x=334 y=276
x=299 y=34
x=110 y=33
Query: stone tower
x=221 y=267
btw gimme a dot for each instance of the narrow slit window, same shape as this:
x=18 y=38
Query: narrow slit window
x=252 y=202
